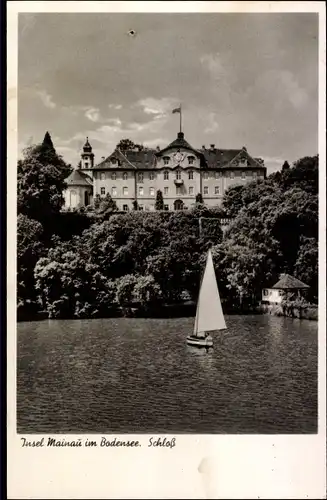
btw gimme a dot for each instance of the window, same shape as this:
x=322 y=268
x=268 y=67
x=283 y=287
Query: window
x=191 y=190
x=102 y=176
x=151 y=191
x=166 y=190
x=140 y=177
x=243 y=175
x=125 y=191
x=217 y=175
x=166 y=207
x=178 y=175
x=205 y=190
x=114 y=191
x=166 y=175
x=86 y=164
x=125 y=176
x=141 y=191
x=125 y=208
x=73 y=198
x=178 y=190
x=113 y=176
x=103 y=190
x=266 y=292
x=191 y=160
x=166 y=160
x=113 y=161
x=141 y=207
x=206 y=175
x=190 y=175
x=151 y=176
x=216 y=189
x=232 y=175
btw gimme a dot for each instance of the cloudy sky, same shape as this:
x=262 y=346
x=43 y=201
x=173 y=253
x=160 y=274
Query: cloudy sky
x=243 y=80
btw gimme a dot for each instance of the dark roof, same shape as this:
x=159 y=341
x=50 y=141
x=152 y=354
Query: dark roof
x=123 y=161
x=180 y=142
x=78 y=178
x=223 y=157
x=288 y=282
x=145 y=158
x=87 y=146
x=209 y=158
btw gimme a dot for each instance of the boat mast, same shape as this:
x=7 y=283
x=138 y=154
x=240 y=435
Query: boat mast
x=197 y=307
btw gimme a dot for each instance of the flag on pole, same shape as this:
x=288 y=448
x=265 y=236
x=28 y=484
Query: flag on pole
x=177 y=110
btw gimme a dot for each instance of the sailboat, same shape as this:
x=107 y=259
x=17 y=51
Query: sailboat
x=209 y=313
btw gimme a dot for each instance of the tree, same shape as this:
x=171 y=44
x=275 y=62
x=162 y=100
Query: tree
x=303 y=174
x=29 y=250
x=47 y=142
x=127 y=144
x=233 y=201
x=135 y=205
x=286 y=166
x=107 y=206
x=306 y=266
x=97 y=201
x=39 y=188
x=159 y=201
x=199 y=198
x=46 y=154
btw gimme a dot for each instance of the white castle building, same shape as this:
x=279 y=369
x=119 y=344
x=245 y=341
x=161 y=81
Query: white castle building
x=179 y=171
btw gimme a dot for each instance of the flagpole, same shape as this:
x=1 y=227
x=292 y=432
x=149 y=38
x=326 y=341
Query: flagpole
x=180 y=119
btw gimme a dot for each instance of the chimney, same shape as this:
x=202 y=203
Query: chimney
x=212 y=146
x=203 y=147
x=158 y=148
x=103 y=157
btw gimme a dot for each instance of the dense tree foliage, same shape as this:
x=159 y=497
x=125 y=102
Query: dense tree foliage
x=40 y=181
x=141 y=258
x=275 y=230
x=126 y=144
x=159 y=201
x=105 y=260
x=199 y=198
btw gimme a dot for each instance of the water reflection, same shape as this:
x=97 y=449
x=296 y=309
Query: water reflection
x=139 y=375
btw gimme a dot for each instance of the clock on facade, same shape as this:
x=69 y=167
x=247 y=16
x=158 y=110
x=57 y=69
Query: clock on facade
x=178 y=157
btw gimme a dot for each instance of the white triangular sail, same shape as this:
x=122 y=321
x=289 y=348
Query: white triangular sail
x=209 y=313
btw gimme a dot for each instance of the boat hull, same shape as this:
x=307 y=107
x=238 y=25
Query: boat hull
x=199 y=342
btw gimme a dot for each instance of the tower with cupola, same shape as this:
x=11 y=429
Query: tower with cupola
x=87 y=157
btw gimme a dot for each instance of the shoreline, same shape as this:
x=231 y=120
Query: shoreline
x=173 y=311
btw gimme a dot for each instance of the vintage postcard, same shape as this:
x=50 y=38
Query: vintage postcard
x=166 y=250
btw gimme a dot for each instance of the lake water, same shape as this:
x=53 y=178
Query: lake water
x=139 y=376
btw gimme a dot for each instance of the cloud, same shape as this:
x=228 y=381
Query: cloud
x=46 y=99
x=157 y=107
x=296 y=94
x=280 y=87
x=212 y=124
x=92 y=114
x=115 y=106
x=213 y=63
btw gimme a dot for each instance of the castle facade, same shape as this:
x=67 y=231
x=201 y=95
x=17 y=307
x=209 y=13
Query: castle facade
x=179 y=171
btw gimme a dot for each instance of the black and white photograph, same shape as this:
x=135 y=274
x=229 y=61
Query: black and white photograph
x=167 y=223
x=166 y=250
